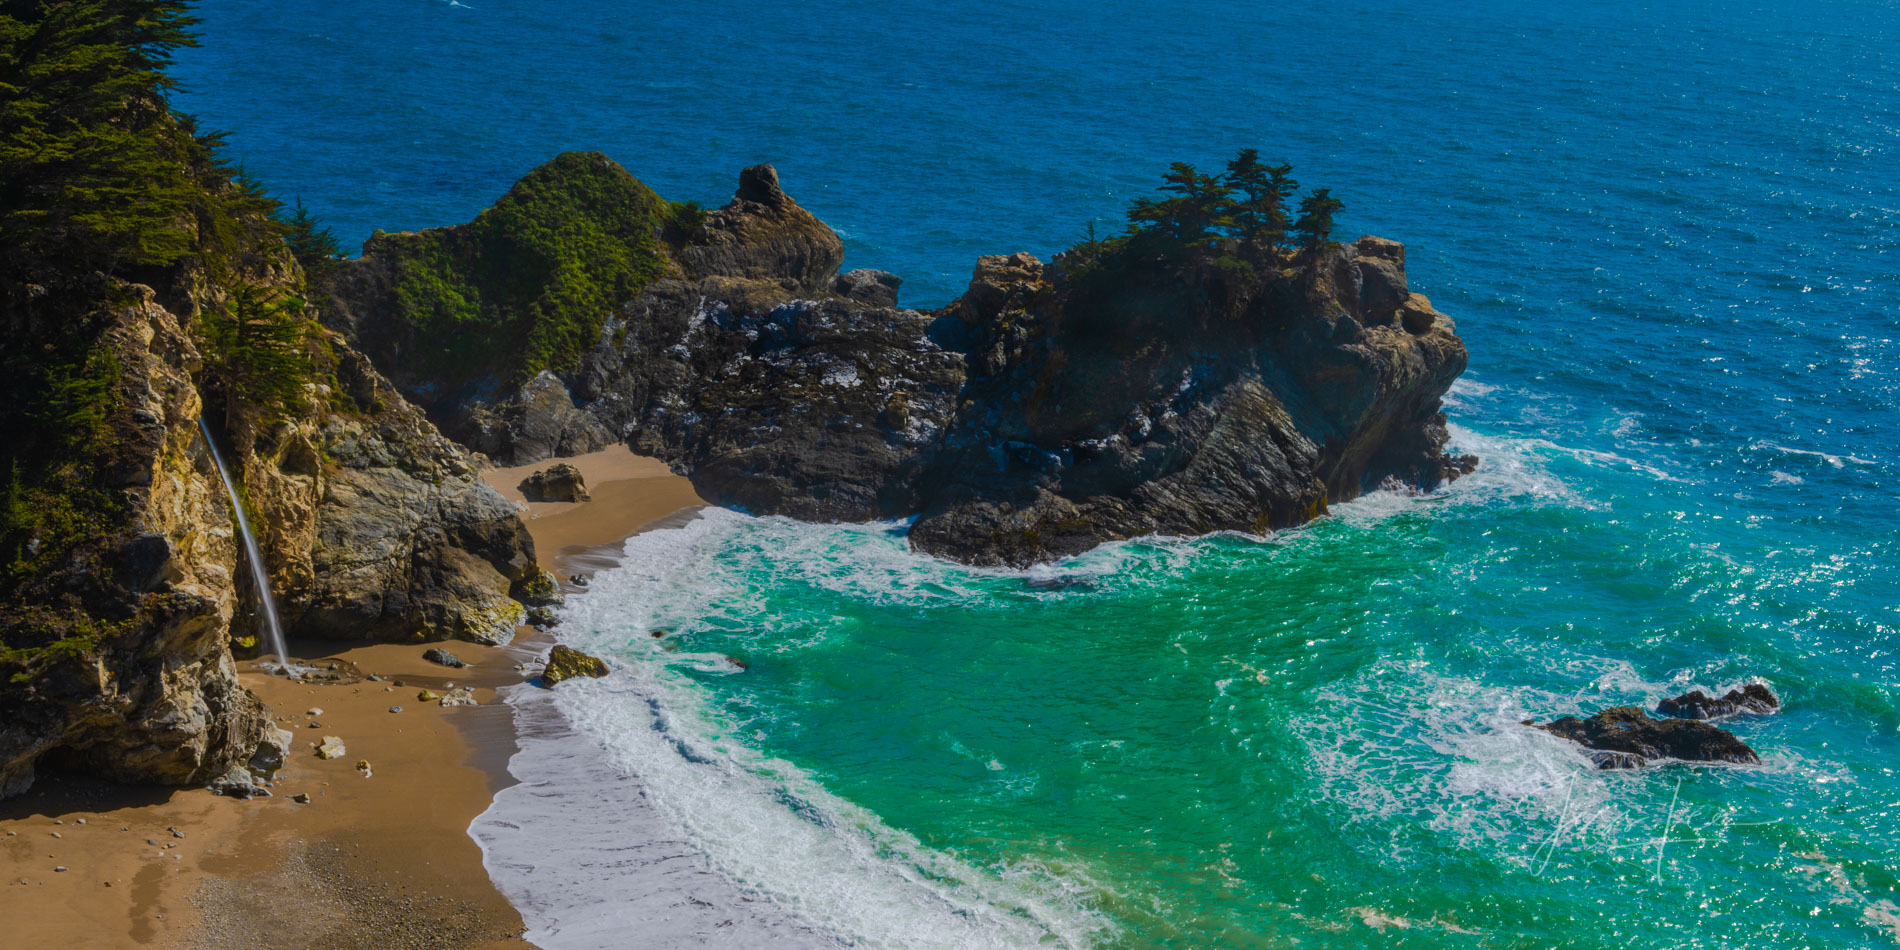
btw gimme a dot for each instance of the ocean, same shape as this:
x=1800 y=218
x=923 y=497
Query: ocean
x=1669 y=235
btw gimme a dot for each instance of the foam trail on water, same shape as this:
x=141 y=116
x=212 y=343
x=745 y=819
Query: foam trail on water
x=688 y=810
x=267 y=607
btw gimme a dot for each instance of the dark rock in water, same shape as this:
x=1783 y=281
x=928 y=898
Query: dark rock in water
x=1625 y=737
x=1752 y=699
x=580 y=580
x=561 y=482
x=1061 y=582
x=442 y=657
x=543 y=618
x=565 y=662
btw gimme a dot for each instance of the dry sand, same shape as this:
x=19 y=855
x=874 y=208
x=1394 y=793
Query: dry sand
x=383 y=861
x=631 y=493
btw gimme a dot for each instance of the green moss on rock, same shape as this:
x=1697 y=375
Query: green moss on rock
x=529 y=283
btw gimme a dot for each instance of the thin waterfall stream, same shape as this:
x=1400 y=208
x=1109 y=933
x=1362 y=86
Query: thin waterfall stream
x=273 y=630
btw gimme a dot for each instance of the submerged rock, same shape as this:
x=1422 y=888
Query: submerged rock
x=565 y=662
x=561 y=482
x=442 y=657
x=1624 y=737
x=1752 y=699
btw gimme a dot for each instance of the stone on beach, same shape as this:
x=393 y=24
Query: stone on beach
x=561 y=482
x=565 y=662
x=459 y=697
x=330 y=748
x=442 y=657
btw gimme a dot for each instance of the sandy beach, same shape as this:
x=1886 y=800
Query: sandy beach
x=376 y=859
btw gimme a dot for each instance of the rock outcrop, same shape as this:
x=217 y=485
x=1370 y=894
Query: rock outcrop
x=1625 y=737
x=373 y=526
x=1752 y=699
x=1054 y=406
x=561 y=482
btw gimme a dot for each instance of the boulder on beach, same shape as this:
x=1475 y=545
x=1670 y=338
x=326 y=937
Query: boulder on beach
x=566 y=663
x=330 y=748
x=562 y=482
x=1625 y=737
x=1753 y=699
x=442 y=657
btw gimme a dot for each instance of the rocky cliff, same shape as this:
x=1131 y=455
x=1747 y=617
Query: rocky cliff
x=119 y=659
x=146 y=285
x=1052 y=407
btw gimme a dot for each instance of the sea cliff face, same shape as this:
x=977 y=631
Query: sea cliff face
x=1051 y=408
x=373 y=526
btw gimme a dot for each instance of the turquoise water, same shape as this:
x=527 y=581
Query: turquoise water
x=1669 y=237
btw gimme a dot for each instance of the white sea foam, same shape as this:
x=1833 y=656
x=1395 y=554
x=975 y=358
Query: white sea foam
x=770 y=844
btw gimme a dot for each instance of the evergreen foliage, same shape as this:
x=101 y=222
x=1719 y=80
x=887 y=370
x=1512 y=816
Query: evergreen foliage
x=255 y=347
x=1235 y=222
x=93 y=171
x=314 y=245
x=1315 y=227
x=101 y=186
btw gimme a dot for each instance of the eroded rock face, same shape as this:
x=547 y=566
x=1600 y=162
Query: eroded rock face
x=158 y=701
x=1625 y=737
x=1042 y=413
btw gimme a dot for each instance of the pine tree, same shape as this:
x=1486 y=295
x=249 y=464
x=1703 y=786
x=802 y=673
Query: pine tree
x=254 y=349
x=1315 y=227
x=1260 y=215
x=315 y=246
x=93 y=171
x=1195 y=217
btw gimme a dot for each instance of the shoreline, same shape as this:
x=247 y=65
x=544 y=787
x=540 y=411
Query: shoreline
x=383 y=861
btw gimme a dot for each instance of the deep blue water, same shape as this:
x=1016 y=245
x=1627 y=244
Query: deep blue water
x=1670 y=236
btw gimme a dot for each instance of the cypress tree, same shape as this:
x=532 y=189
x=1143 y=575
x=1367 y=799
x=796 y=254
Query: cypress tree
x=1315 y=226
x=314 y=246
x=93 y=171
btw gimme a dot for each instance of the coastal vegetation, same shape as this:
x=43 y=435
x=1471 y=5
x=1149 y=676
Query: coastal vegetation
x=1209 y=243
x=103 y=187
x=529 y=283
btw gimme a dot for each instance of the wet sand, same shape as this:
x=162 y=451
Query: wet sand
x=382 y=861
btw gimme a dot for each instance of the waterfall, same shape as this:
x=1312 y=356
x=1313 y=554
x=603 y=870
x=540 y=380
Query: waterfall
x=268 y=607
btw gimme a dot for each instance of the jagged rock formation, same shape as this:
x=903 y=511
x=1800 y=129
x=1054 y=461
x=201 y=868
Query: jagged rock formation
x=1050 y=408
x=565 y=662
x=157 y=699
x=1624 y=737
x=1754 y=698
